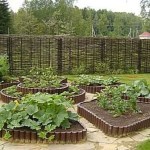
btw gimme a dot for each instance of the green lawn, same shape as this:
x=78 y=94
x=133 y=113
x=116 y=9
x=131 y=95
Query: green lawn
x=125 y=78
x=144 y=145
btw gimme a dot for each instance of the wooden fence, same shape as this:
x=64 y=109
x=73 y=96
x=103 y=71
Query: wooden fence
x=71 y=54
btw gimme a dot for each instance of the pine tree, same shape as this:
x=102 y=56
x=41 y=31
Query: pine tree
x=4 y=17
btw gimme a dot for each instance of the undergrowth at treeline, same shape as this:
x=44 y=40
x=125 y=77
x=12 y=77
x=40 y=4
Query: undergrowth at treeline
x=40 y=112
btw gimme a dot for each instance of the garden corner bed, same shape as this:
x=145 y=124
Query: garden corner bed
x=118 y=126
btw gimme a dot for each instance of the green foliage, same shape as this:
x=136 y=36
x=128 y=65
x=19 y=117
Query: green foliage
x=95 y=80
x=62 y=18
x=140 y=87
x=5 y=19
x=145 y=145
x=42 y=77
x=12 y=91
x=4 y=67
x=111 y=100
x=40 y=112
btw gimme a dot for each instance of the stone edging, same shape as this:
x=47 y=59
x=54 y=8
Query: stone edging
x=25 y=90
x=115 y=131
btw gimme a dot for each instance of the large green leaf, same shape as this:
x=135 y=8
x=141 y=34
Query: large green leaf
x=32 y=109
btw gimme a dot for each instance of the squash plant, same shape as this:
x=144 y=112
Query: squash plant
x=41 y=112
x=111 y=99
x=42 y=77
x=140 y=87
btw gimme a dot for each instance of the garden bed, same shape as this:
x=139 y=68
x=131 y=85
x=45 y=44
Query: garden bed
x=119 y=126
x=95 y=88
x=6 y=98
x=8 y=84
x=78 y=97
x=76 y=133
x=50 y=90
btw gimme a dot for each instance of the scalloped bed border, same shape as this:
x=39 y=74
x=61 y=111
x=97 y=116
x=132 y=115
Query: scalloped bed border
x=93 y=89
x=25 y=136
x=5 y=85
x=25 y=90
x=6 y=98
x=79 y=98
x=115 y=131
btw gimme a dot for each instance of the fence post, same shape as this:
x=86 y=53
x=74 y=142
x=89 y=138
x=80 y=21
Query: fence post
x=59 y=56
x=9 y=54
x=139 y=54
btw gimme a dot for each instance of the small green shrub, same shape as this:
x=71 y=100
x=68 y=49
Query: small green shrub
x=111 y=99
x=4 y=67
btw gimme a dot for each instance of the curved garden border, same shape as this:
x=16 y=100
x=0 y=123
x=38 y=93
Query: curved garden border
x=6 y=98
x=26 y=90
x=92 y=88
x=29 y=136
x=143 y=99
x=96 y=88
x=79 y=97
x=5 y=85
x=116 y=131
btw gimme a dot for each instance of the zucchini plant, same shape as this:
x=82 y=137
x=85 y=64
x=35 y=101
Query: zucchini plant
x=41 y=112
x=140 y=87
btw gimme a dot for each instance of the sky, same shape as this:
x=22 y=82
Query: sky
x=132 y=6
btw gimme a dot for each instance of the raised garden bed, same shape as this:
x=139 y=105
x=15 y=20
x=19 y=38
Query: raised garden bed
x=6 y=98
x=77 y=98
x=76 y=133
x=50 y=90
x=8 y=84
x=119 y=126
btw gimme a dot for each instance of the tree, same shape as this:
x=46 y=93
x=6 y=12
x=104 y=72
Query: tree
x=145 y=8
x=26 y=23
x=5 y=20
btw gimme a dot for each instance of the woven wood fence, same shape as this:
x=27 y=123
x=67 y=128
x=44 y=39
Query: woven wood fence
x=70 y=54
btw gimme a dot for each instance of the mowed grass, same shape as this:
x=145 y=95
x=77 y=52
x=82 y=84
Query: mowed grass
x=124 y=78
x=144 y=145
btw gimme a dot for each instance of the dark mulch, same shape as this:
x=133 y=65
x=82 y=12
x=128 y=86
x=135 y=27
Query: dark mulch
x=123 y=120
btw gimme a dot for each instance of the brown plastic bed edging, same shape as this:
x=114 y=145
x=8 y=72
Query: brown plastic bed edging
x=92 y=89
x=96 y=88
x=6 y=98
x=26 y=90
x=115 y=131
x=140 y=99
x=5 y=85
x=79 y=98
x=29 y=136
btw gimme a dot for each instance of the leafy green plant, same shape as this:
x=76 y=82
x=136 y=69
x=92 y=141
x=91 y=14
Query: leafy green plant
x=42 y=77
x=95 y=80
x=111 y=100
x=140 y=87
x=72 y=90
x=12 y=91
x=40 y=112
x=89 y=80
x=4 y=67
